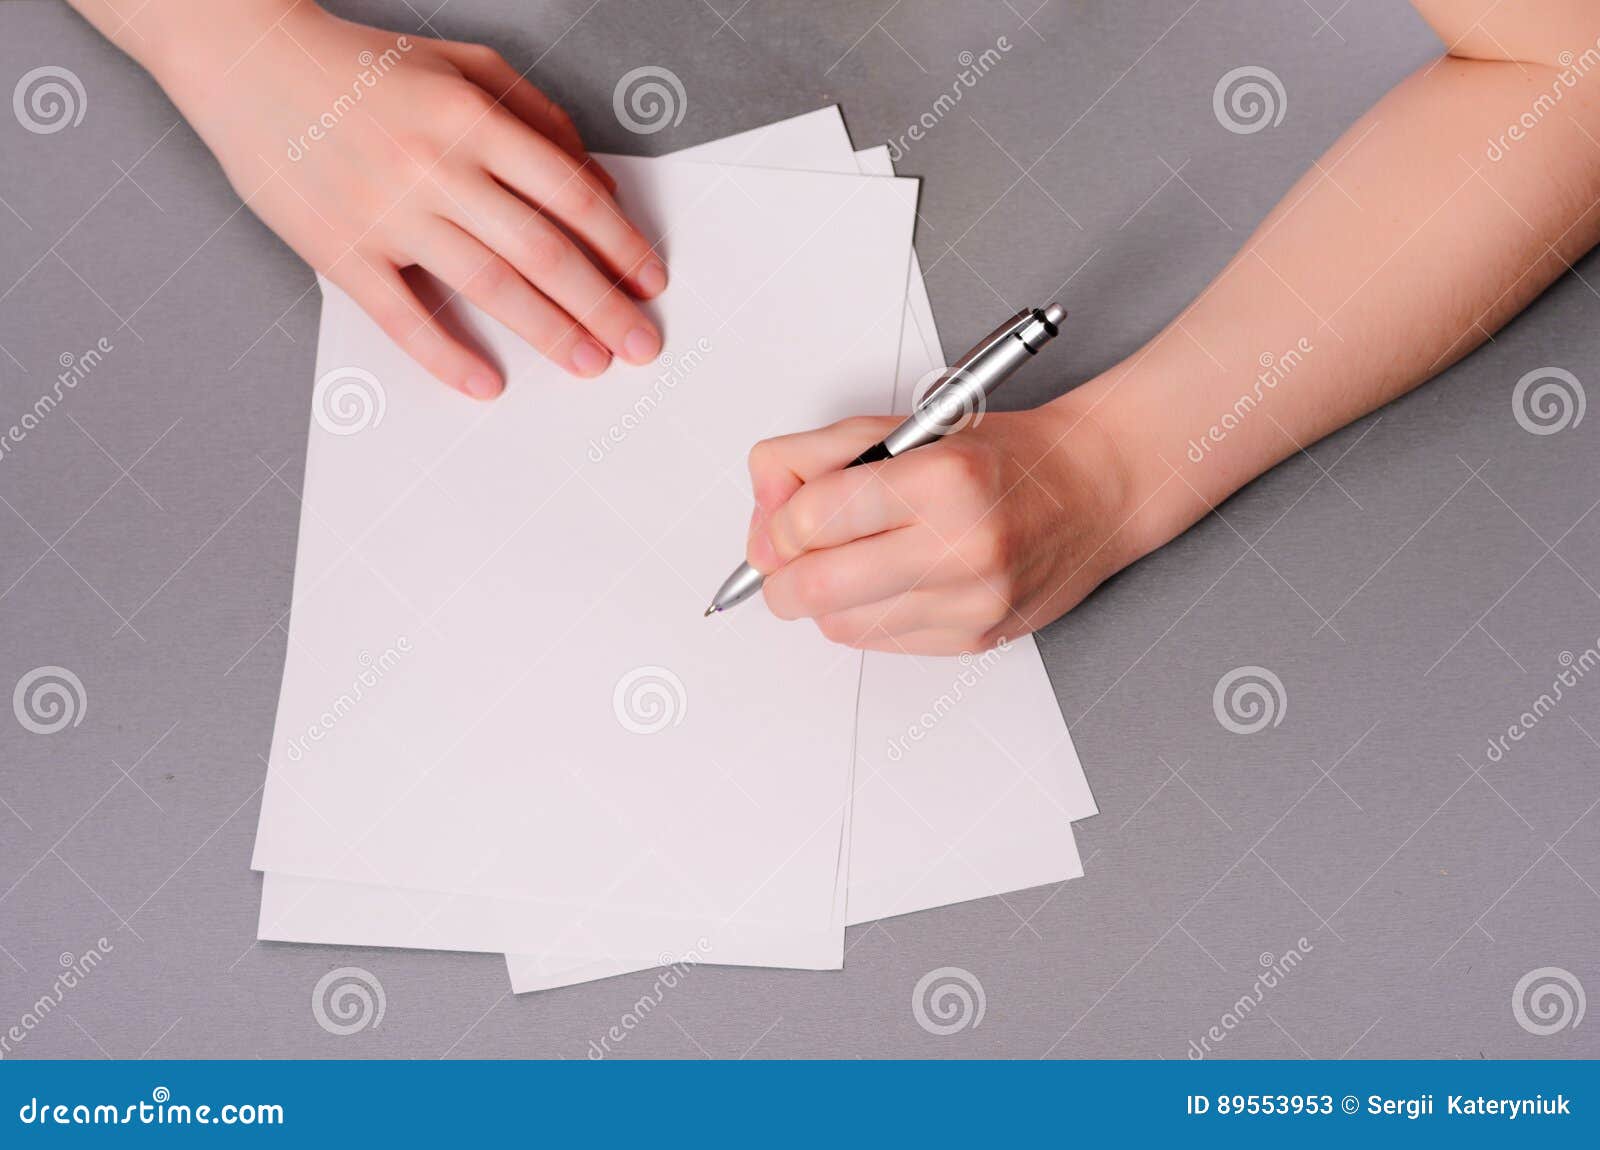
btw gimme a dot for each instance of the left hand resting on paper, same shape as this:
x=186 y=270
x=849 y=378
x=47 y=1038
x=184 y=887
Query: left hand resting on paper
x=985 y=535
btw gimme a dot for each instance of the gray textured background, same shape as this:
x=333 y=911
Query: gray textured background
x=145 y=544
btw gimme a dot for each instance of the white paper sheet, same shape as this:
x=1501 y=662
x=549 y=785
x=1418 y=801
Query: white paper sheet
x=925 y=841
x=490 y=759
x=967 y=781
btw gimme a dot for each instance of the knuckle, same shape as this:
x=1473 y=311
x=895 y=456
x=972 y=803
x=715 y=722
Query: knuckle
x=987 y=548
x=413 y=156
x=466 y=101
x=814 y=588
x=483 y=54
x=763 y=457
x=963 y=465
x=861 y=426
x=578 y=201
x=496 y=278
x=796 y=526
x=541 y=254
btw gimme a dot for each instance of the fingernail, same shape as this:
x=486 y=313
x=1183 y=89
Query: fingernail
x=481 y=385
x=762 y=555
x=652 y=278
x=589 y=358
x=641 y=345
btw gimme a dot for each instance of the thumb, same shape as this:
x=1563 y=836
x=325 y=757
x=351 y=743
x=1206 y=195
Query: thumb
x=778 y=467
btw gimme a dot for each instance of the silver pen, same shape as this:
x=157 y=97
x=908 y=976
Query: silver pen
x=956 y=399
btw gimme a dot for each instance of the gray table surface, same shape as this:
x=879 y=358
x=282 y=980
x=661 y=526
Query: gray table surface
x=1413 y=581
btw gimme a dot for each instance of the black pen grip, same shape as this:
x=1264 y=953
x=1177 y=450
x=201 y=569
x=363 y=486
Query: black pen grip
x=873 y=454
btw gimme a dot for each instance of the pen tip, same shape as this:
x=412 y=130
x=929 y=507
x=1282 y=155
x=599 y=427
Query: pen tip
x=710 y=611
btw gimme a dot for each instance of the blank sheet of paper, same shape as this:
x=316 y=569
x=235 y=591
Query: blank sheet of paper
x=554 y=721
x=943 y=814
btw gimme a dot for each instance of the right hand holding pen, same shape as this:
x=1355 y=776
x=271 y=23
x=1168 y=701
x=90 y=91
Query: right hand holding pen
x=430 y=153
x=978 y=538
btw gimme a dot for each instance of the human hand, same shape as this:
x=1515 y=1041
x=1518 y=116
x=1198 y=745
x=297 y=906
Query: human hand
x=369 y=153
x=985 y=535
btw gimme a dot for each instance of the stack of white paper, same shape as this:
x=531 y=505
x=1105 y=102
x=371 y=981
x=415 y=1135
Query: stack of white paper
x=504 y=724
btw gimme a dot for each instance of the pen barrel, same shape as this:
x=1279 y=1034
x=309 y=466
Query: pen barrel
x=961 y=398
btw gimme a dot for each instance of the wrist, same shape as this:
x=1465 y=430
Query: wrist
x=1096 y=489
x=188 y=45
x=1142 y=505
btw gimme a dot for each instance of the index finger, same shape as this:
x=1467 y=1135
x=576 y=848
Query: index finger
x=780 y=465
x=839 y=507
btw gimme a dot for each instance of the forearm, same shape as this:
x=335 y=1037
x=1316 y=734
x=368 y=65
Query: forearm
x=1400 y=251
